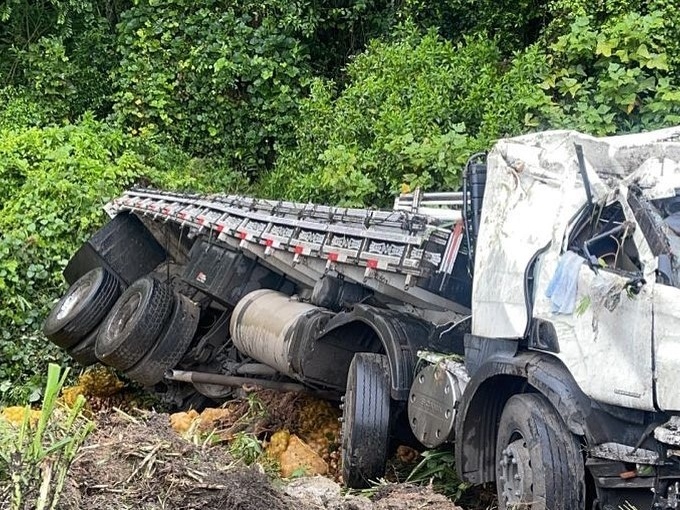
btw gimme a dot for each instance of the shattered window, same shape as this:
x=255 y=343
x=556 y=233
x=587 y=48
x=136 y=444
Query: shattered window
x=669 y=211
x=660 y=223
x=603 y=236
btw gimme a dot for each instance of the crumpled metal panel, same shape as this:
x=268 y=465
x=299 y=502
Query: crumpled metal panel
x=669 y=432
x=533 y=190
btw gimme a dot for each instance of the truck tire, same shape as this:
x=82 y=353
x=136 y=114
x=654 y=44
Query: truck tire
x=366 y=420
x=83 y=351
x=538 y=460
x=134 y=324
x=82 y=308
x=171 y=346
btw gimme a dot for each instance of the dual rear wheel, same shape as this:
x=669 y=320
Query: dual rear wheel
x=142 y=332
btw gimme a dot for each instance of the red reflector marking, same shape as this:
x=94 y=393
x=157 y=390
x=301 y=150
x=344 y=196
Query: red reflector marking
x=333 y=257
x=269 y=242
x=242 y=235
x=220 y=227
x=372 y=263
x=201 y=220
x=299 y=249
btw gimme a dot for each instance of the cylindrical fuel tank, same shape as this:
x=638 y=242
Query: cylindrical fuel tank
x=273 y=328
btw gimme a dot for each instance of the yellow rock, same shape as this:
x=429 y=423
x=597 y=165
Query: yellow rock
x=278 y=443
x=298 y=456
x=15 y=415
x=210 y=417
x=70 y=394
x=181 y=422
x=100 y=382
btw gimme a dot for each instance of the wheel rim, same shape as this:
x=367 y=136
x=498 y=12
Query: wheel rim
x=516 y=477
x=73 y=299
x=125 y=314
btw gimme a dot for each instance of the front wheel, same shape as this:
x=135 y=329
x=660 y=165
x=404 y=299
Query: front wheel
x=539 y=465
x=366 y=420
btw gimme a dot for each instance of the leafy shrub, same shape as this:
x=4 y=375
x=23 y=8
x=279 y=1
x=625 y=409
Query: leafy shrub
x=412 y=112
x=35 y=454
x=54 y=182
x=611 y=78
x=60 y=53
x=513 y=24
x=217 y=79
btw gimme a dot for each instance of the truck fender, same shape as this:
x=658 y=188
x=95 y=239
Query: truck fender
x=399 y=335
x=501 y=376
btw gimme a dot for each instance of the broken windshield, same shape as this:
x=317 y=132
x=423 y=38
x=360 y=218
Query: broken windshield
x=660 y=222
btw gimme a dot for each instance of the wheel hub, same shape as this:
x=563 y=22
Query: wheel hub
x=72 y=300
x=516 y=478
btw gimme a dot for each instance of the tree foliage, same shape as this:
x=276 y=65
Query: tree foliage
x=412 y=112
x=340 y=101
x=54 y=182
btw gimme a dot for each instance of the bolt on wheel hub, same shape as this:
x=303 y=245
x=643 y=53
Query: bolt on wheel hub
x=516 y=479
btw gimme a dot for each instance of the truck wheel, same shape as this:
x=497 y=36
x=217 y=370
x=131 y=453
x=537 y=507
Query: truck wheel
x=538 y=460
x=366 y=420
x=83 y=351
x=135 y=322
x=171 y=346
x=82 y=308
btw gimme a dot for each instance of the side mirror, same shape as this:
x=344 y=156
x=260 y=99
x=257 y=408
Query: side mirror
x=634 y=285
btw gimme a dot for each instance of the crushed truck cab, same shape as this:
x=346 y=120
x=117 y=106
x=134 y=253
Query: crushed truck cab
x=530 y=320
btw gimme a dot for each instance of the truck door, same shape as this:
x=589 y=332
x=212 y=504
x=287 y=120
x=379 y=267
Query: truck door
x=605 y=336
x=667 y=346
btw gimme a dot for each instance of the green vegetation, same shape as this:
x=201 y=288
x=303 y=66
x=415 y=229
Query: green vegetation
x=36 y=451
x=329 y=101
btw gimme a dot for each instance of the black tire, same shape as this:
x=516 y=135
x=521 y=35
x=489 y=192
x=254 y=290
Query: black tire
x=83 y=351
x=366 y=420
x=538 y=460
x=134 y=324
x=82 y=308
x=171 y=346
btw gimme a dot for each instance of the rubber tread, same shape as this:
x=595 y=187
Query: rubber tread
x=83 y=352
x=87 y=314
x=122 y=349
x=171 y=345
x=366 y=427
x=559 y=480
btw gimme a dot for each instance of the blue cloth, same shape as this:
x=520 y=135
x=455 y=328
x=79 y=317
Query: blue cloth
x=563 y=286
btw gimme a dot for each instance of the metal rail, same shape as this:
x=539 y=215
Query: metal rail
x=386 y=250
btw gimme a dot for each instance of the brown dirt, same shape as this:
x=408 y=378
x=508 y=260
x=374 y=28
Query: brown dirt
x=140 y=463
x=143 y=464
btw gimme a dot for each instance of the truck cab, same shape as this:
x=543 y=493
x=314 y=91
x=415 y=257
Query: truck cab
x=575 y=302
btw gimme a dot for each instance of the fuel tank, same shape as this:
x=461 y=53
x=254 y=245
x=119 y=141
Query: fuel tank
x=275 y=328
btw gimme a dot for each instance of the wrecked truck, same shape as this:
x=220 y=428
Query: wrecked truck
x=531 y=320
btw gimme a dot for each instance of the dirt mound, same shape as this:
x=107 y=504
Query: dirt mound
x=140 y=463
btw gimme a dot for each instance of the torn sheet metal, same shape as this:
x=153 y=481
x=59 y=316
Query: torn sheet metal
x=536 y=209
x=669 y=432
x=625 y=453
x=533 y=190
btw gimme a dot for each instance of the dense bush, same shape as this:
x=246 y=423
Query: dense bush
x=513 y=24
x=336 y=101
x=54 y=182
x=412 y=112
x=611 y=78
x=60 y=52
x=218 y=79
